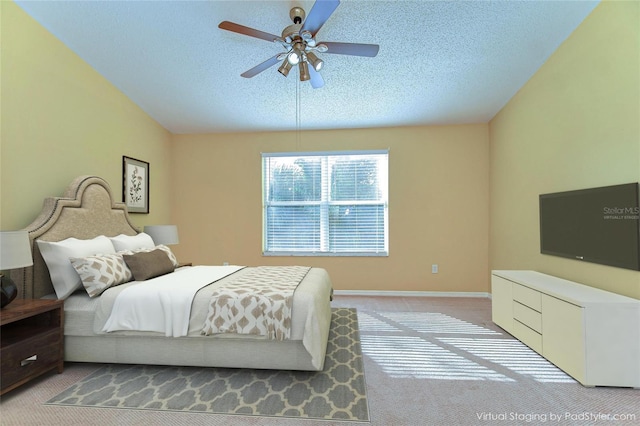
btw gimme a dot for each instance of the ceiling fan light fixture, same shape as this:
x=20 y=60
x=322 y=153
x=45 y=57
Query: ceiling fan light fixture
x=304 y=71
x=296 y=54
x=285 y=68
x=315 y=62
x=293 y=57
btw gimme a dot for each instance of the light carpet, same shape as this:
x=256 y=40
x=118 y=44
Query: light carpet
x=336 y=393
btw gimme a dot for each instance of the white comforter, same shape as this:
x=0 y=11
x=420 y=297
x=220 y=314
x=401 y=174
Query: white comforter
x=163 y=304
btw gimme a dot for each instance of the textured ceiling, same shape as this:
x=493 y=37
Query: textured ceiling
x=440 y=62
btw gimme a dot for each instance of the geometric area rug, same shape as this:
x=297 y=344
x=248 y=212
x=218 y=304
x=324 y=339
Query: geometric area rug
x=336 y=393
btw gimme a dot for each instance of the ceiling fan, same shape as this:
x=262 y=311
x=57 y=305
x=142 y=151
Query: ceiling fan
x=299 y=42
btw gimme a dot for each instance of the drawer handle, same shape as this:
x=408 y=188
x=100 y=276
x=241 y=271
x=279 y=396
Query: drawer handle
x=29 y=360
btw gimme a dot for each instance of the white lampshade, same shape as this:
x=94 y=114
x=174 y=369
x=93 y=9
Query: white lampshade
x=15 y=250
x=163 y=234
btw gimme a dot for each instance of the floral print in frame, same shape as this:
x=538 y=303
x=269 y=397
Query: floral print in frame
x=135 y=185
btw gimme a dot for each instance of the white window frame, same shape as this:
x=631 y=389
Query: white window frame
x=325 y=203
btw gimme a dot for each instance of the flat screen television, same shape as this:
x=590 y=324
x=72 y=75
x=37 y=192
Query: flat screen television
x=599 y=225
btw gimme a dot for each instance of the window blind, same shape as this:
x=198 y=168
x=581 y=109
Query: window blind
x=325 y=203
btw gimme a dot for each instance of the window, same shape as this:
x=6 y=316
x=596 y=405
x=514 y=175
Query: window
x=325 y=203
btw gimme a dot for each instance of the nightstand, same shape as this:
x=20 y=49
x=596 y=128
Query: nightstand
x=31 y=340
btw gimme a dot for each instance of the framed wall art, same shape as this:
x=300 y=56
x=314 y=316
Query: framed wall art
x=135 y=185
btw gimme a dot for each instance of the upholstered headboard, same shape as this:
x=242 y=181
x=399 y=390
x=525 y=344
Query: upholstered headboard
x=87 y=209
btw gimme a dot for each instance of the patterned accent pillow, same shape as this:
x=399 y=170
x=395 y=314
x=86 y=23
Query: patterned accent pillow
x=100 y=272
x=162 y=247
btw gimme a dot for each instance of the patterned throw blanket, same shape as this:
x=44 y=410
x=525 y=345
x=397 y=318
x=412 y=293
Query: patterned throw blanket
x=258 y=302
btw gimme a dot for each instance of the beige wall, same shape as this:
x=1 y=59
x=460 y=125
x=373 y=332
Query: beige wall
x=575 y=124
x=438 y=204
x=61 y=119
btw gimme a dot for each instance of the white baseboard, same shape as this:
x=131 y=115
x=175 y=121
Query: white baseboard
x=411 y=293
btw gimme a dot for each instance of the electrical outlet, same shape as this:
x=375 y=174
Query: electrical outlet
x=225 y=263
x=434 y=268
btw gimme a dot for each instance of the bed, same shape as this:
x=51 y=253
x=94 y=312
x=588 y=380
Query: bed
x=87 y=211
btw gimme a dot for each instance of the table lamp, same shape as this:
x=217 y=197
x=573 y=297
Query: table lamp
x=163 y=234
x=15 y=252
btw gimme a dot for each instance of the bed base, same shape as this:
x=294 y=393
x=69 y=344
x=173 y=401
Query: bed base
x=190 y=351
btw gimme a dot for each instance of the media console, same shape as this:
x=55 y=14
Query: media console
x=591 y=334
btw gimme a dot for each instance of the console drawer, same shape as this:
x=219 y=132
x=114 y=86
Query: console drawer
x=529 y=317
x=527 y=336
x=527 y=296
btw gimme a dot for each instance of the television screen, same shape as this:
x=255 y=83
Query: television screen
x=599 y=225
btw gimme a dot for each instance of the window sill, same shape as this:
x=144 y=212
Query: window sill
x=323 y=254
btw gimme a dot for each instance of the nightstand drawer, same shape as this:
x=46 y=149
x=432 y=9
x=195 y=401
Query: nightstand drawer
x=32 y=356
x=527 y=316
x=527 y=296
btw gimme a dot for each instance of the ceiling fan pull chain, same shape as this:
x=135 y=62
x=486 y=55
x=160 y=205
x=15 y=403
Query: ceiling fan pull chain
x=298 y=121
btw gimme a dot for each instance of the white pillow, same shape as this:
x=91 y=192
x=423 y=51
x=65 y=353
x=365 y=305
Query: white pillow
x=132 y=242
x=57 y=256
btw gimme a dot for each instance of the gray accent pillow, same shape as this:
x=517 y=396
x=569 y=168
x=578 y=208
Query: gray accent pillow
x=146 y=265
x=158 y=247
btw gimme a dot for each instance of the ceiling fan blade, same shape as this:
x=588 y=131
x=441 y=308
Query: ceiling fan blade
x=316 y=79
x=261 y=67
x=320 y=12
x=251 y=32
x=355 y=49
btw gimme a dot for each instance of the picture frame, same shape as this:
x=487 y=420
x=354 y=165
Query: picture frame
x=135 y=185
